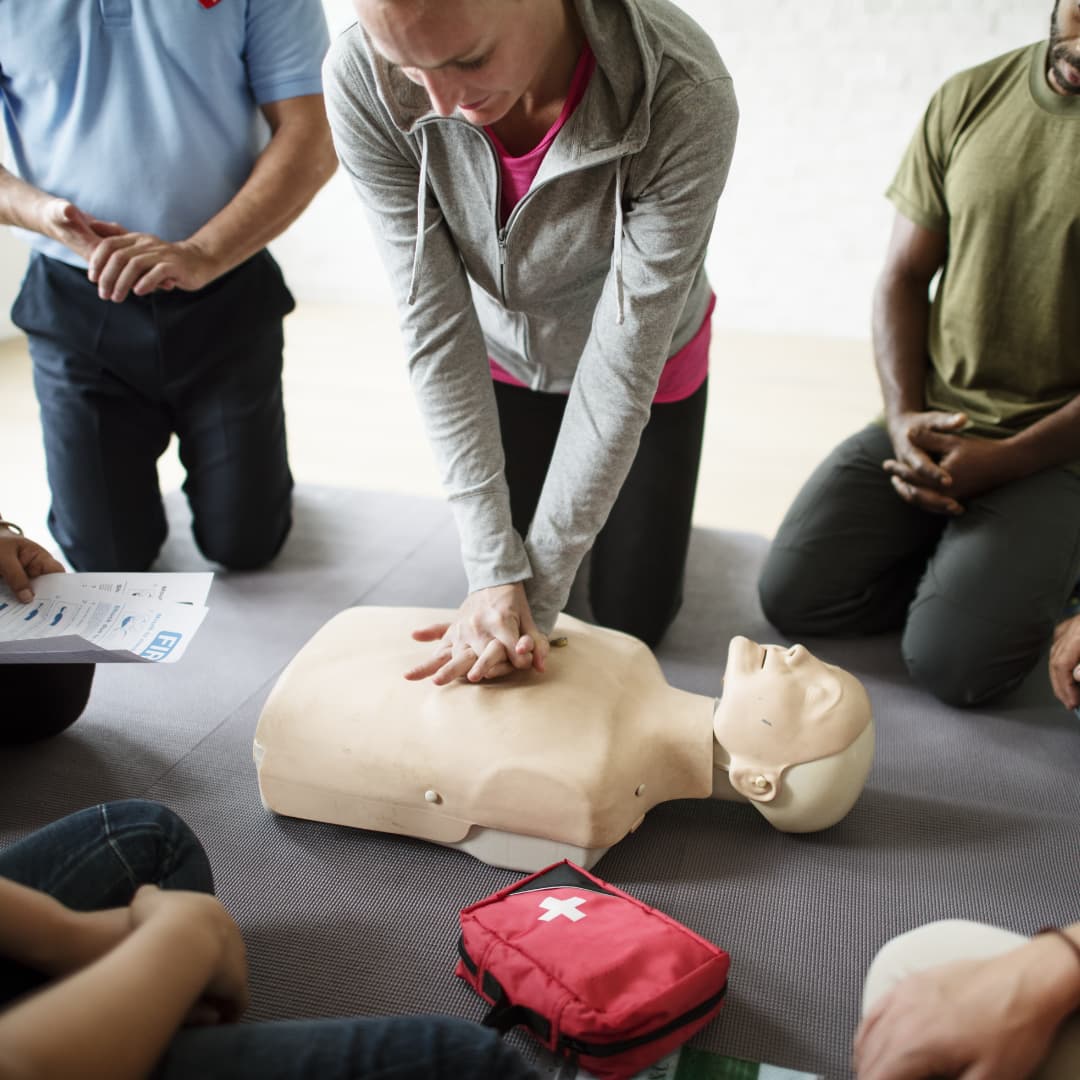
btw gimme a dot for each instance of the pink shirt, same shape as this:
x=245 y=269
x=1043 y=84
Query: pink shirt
x=685 y=371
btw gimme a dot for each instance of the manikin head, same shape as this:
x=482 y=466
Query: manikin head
x=795 y=735
x=477 y=56
x=1063 y=56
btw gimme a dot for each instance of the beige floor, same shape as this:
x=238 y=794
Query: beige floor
x=777 y=404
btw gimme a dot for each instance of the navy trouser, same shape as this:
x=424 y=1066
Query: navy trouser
x=638 y=562
x=98 y=857
x=977 y=595
x=115 y=381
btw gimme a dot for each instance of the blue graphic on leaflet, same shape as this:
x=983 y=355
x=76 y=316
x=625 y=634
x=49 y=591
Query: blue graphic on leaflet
x=162 y=645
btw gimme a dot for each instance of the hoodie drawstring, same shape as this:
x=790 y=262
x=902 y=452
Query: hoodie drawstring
x=421 y=206
x=616 y=257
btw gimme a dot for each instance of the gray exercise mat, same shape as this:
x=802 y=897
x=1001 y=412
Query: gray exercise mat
x=966 y=814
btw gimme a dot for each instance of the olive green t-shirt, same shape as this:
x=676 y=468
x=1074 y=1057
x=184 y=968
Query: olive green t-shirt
x=996 y=166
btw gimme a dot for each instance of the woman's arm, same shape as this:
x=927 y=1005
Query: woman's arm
x=673 y=187
x=38 y=931
x=447 y=356
x=444 y=344
x=114 y=1018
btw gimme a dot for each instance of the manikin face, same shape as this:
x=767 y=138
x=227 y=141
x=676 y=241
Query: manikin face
x=1064 y=54
x=782 y=707
x=476 y=56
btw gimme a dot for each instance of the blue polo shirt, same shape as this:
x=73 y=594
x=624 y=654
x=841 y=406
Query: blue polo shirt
x=145 y=111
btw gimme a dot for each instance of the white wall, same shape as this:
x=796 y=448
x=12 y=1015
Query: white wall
x=830 y=92
x=12 y=259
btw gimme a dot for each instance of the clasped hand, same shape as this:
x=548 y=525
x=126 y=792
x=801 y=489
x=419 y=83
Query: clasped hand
x=225 y=995
x=493 y=635
x=936 y=467
x=123 y=262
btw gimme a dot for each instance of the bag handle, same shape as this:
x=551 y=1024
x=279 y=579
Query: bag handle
x=503 y=1016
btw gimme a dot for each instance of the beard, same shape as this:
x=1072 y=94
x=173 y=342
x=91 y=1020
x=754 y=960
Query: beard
x=1063 y=59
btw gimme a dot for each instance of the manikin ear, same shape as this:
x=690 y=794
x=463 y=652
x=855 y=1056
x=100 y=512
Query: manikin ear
x=754 y=782
x=822 y=698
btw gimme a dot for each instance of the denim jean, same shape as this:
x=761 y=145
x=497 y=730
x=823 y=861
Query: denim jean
x=98 y=857
x=376 y=1048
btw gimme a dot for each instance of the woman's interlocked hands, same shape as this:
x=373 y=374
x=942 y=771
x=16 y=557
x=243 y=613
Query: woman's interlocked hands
x=493 y=635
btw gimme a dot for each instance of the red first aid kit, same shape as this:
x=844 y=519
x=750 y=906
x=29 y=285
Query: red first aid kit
x=600 y=978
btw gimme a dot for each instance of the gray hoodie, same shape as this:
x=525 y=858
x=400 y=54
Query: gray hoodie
x=594 y=281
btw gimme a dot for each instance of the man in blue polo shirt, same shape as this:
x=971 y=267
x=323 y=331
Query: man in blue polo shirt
x=159 y=147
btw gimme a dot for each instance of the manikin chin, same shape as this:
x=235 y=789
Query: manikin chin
x=523 y=771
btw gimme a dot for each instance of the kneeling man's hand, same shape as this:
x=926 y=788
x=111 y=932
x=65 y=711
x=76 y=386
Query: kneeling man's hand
x=1065 y=662
x=920 y=440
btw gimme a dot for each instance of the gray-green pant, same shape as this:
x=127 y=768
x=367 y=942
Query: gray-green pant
x=977 y=595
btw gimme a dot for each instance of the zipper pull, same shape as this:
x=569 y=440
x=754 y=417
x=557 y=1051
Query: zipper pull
x=502 y=246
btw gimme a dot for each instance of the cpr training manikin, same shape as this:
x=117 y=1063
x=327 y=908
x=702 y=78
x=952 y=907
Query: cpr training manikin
x=532 y=768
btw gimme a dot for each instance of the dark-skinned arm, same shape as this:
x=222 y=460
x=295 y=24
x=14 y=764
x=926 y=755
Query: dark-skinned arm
x=936 y=465
x=901 y=322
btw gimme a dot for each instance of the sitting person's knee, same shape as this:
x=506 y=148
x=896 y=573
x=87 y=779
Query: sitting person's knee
x=41 y=700
x=159 y=847
x=961 y=661
x=782 y=591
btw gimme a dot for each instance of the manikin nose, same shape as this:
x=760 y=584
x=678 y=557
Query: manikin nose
x=797 y=654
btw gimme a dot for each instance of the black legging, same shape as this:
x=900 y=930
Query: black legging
x=639 y=559
x=39 y=700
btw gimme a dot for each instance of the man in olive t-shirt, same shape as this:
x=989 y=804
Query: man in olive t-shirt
x=958 y=516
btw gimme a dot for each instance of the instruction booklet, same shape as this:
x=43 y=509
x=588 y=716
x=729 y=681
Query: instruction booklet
x=103 y=618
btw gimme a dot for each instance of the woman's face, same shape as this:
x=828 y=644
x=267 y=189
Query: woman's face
x=476 y=56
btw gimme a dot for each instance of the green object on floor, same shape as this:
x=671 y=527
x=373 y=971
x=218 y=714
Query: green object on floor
x=691 y=1064
x=701 y=1065
x=694 y=1064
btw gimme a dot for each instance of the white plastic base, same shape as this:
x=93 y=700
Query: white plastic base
x=526 y=853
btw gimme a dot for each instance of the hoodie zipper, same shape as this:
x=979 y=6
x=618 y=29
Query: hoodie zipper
x=502 y=231
x=502 y=264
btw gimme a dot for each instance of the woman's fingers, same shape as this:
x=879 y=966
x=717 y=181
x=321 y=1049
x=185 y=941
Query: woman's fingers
x=428 y=667
x=494 y=655
x=492 y=635
x=457 y=667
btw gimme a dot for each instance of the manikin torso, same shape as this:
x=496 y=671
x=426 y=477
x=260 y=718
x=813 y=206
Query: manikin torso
x=531 y=768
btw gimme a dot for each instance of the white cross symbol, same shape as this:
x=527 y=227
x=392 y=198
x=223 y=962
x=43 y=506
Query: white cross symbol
x=555 y=908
